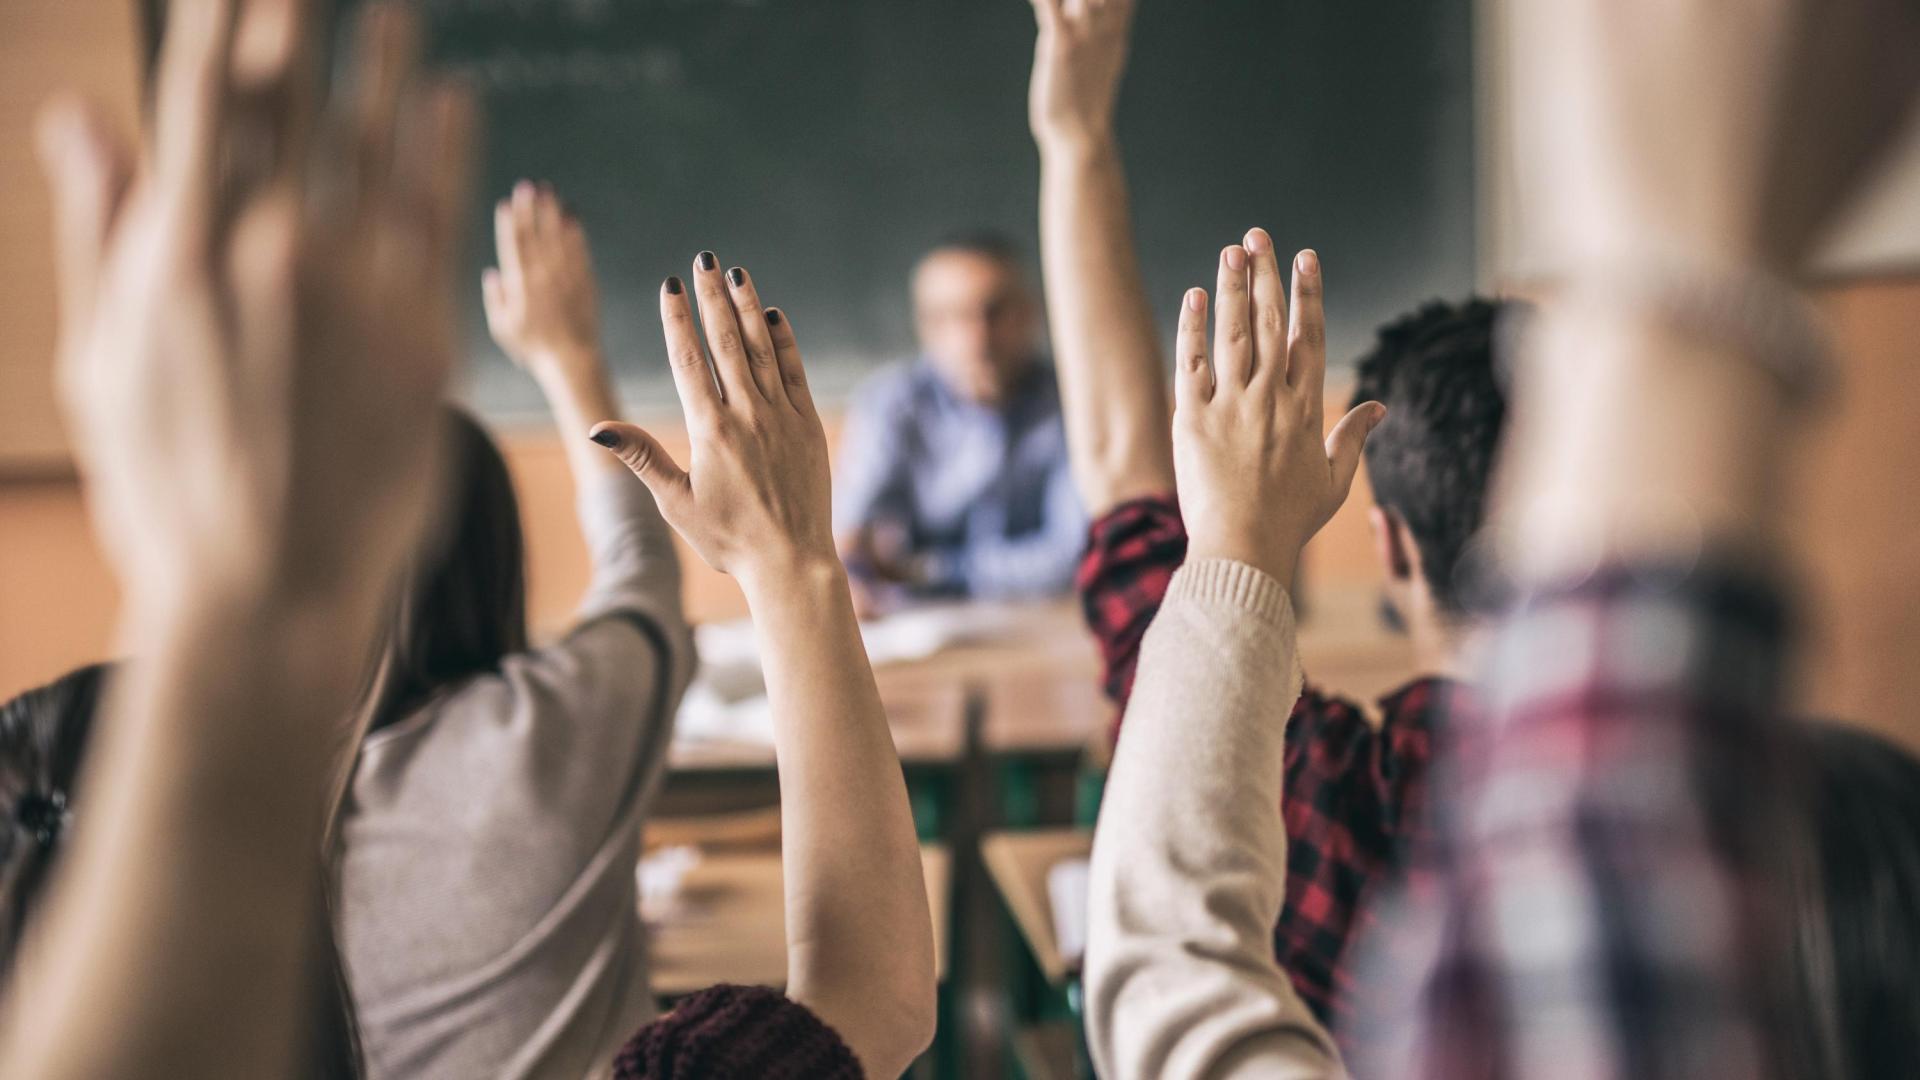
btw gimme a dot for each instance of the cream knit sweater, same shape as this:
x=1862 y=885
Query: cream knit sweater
x=1190 y=858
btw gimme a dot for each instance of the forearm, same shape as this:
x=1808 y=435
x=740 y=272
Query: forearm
x=1112 y=381
x=580 y=394
x=859 y=936
x=175 y=939
x=1189 y=862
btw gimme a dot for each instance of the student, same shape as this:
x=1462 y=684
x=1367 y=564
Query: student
x=253 y=377
x=1189 y=860
x=859 y=997
x=489 y=913
x=1608 y=900
x=1354 y=789
x=953 y=473
x=44 y=736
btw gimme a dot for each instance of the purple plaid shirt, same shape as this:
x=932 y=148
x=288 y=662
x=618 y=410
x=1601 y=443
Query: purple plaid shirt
x=1604 y=896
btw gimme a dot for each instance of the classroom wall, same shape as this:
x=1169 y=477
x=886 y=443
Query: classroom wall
x=89 y=46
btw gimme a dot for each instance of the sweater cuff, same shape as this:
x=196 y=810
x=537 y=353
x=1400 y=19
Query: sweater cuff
x=1237 y=585
x=730 y=1032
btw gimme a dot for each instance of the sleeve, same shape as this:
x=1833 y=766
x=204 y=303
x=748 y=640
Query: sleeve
x=1189 y=859
x=737 y=1033
x=557 y=752
x=630 y=654
x=1041 y=563
x=1130 y=557
x=1609 y=842
x=869 y=481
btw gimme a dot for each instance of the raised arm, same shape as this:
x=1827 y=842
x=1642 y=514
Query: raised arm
x=756 y=505
x=253 y=376
x=1113 y=385
x=543 y=309
x=1633 y=773
x=1190 y=860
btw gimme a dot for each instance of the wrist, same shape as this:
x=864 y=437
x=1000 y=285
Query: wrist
x=1276 y=560
x=803 y=576
x=1076 y=145
x=565 y=361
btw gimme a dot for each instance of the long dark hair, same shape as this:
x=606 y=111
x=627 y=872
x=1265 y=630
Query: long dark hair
x=463 y=606
x=1858 y=940
x=44 y=735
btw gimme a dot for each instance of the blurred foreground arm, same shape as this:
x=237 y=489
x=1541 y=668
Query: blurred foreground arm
x=756 y=505
x=251 y=366
x=1616 y=822
x=1190 y=859
x=1113 y=386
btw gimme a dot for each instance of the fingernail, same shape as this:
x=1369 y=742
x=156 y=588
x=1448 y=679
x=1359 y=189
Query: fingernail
x=773 y=316
x=1379 y=414
x=674 y=286
x=1196 y=299
x=706 y=260
x=1236 y=257
x=1257 y=241
x=606 y=437
x=737 y=276
x=523 y=189
x=1307 y=262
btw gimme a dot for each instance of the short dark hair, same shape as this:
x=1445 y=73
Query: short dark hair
x=985 y=242
x=1429 y=462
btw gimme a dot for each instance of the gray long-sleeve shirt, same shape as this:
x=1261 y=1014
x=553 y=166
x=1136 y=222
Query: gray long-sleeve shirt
x=489 y=841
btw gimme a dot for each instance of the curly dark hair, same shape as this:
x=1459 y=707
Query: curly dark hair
x=1430 y=460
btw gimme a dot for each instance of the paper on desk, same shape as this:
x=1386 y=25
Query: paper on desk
x=728 y=699
x=1067 y=894
x=660 y=875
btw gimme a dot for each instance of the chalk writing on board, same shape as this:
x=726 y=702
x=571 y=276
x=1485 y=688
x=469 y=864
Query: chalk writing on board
x=584 y=11
x=574 y=70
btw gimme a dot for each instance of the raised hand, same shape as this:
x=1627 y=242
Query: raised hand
x=542 y=304
x=1078 y=57
x=754 y=501
x=1256 y=479
x=251 y=363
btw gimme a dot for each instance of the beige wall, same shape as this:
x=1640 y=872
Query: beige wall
x=87 y=45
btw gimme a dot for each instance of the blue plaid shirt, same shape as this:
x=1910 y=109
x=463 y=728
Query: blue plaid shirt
x=981 y=496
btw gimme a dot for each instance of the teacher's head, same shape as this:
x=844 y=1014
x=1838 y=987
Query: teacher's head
x=976 y=315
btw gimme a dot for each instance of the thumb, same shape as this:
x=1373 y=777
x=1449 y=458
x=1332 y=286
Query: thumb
x=88 y=169
x=649 y=461
x=1347 y=439
x=493 y=299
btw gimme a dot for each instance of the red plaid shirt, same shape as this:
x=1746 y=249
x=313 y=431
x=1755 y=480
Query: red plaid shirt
x=1354 y=795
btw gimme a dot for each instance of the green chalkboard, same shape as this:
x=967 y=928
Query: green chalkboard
x=824 y=143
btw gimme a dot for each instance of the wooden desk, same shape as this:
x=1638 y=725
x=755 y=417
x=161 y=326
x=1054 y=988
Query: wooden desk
x=1045 y=637
x=1044 y=712
x=928 y=721
x=728 y=924
x=1019 y=863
